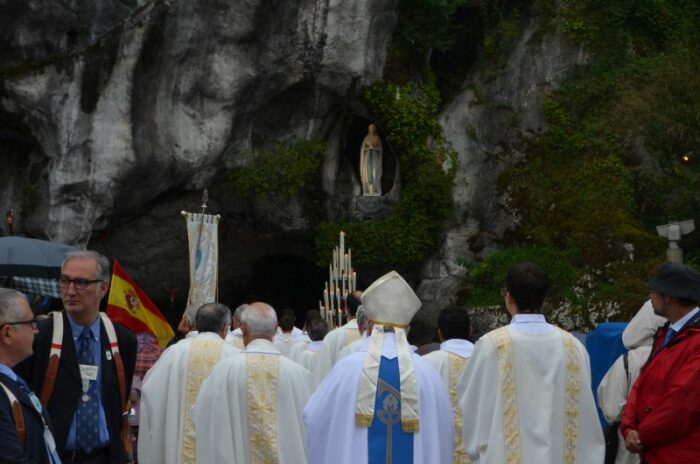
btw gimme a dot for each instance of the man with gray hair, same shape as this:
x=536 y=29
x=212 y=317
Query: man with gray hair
x=171 y=386
x=249 y=409
x=235 y=336
x=362 y=328
x=23 y=421
x=83 y=365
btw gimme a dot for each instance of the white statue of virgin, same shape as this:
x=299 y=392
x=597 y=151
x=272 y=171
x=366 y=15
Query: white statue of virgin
x=371 y=163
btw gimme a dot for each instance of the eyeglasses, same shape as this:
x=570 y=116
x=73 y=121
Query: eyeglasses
x=80 y=284
x=34 y=323
x=503 y=292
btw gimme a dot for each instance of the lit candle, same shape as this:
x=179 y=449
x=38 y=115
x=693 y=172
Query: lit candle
x=325 y=295
x=354 y=281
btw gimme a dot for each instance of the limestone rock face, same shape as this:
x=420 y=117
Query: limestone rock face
x=483 y=124
x=114 y=115
x=127 y=100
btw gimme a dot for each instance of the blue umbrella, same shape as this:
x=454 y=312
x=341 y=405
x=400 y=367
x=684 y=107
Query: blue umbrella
x=31 y=265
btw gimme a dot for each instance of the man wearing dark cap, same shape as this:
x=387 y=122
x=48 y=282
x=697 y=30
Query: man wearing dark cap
x=661 y=420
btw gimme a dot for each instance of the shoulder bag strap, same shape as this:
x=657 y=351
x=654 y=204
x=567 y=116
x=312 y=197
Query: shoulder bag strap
x=16 y=414
x=121 y=379
x=54 y=358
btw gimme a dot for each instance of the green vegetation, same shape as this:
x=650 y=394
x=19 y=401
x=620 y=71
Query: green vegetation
x=620 y=154
x=286 y=169
x=414 y=227
x=490 y=275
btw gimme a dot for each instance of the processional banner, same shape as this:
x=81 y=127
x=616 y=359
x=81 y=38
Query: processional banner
x=202 y=232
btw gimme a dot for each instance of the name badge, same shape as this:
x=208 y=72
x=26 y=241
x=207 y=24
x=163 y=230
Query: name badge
x=88 y=372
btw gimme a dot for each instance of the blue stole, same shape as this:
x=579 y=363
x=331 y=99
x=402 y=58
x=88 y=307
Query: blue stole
x=387 y=442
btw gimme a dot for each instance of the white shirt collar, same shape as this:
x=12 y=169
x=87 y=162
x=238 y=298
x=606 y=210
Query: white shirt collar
x=260 y=345
x=314 y=346
x=351 y=324
x=191 y=334
x=678 y=325
x=207 y=336
x=458 y=346
x=528 y=318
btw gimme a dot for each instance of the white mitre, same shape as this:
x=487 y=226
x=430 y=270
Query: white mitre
x=390 y=304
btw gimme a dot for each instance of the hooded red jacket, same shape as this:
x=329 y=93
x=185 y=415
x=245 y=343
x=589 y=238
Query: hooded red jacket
x=664 y=403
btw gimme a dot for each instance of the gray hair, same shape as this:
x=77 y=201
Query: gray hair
x=10 y=309
x=362 y=318
x=261 y=319
x=238 y=313
x=103 y=271
x=212 y=317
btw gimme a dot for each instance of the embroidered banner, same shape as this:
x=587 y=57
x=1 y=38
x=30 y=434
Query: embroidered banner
x=202 y=231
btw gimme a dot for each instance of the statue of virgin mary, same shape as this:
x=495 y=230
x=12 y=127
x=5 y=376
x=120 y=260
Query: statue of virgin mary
x=371 y=163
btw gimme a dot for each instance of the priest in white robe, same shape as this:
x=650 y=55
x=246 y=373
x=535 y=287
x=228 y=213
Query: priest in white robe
x=339 y=338
x=171 y=386
x=363 y=329
x=235 y=336
x=450 y=361
x=525 y=394
x=382 y=404
x=249 y=410
x=287 y=334
x=308 y=357
x=300 y=344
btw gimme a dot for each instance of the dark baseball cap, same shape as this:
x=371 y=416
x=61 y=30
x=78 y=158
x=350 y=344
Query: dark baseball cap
x=676 y=280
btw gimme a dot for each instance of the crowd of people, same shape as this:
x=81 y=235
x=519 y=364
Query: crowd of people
x=249 y=387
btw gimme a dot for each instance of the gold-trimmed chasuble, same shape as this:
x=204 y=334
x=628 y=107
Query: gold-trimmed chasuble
x=203 y=355
x=261 y=395
x=456 y=365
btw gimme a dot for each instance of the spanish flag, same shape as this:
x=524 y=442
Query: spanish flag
x=129 y=306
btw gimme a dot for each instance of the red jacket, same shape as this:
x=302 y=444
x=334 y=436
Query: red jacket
x=664 y=403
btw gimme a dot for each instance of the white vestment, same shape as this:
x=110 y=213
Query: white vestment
x=330 y=414
x=169 y=390
x=354 y=347
x=249 y=410
x=333 y=342
x=235 y=339
x=450 y=361
x=308 y=358
x=613 y=391
x=525 y=397
x=297 y=348
x=284 y=341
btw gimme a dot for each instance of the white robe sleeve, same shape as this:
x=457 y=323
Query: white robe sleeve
x=612 y=391
x=328 y=355
x=478 y=389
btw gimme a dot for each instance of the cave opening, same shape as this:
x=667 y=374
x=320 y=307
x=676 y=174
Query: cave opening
x=355 y=135
x=453 y=64
x=283 y=281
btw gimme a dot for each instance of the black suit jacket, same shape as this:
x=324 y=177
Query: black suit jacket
x=68 y=387
x=34 y=449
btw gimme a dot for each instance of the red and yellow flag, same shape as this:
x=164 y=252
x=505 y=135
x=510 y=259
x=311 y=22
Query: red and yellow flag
x=129 y=306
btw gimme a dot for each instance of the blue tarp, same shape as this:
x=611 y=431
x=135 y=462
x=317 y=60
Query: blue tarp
x=604 y=346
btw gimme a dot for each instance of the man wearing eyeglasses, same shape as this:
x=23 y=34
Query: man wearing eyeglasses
x=84 y=400
x=24 y=428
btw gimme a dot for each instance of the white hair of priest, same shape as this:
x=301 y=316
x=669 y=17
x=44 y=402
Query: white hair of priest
x=260 y=319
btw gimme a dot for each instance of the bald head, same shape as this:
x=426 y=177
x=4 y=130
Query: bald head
x=259 y=320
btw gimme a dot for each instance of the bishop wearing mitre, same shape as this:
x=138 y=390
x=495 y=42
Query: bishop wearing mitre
x=249 y=410
x=383 y=403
